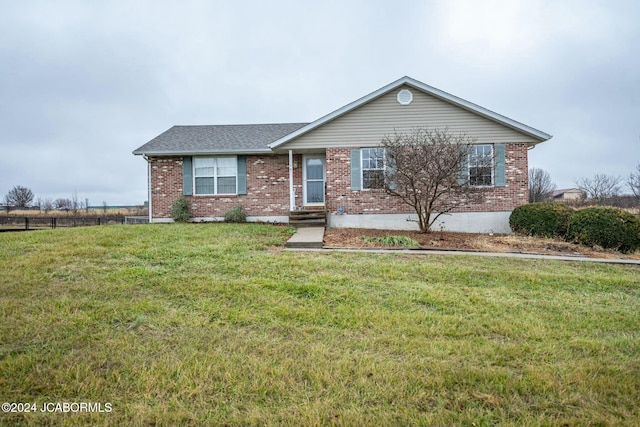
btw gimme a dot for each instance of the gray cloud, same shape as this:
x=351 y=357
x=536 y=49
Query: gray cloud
x=82 y=84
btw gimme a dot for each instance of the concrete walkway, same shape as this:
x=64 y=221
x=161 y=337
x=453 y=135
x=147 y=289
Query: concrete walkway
x=310 y=239
x=481 y=254
x=306 y=238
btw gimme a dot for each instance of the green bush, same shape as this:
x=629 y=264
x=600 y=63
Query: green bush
x=610 y=228
x=541 y=219
x=236 y=214
x=180 y=210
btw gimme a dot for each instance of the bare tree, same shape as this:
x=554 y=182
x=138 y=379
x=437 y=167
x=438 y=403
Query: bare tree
x=427 y=170
x=601 y=187
x=7 y=205
x=47 y=205
x=633 y=182
x=63 y=204
x=540 y=185
x=19 y=197
x=75 y=203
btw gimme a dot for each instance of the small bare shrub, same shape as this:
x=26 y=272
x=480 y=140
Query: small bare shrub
x=180 y=210
x=236 y=215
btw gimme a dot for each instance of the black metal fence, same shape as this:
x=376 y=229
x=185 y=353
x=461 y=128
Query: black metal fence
x=21 y=223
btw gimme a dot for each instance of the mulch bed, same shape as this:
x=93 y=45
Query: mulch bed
x=357 y=238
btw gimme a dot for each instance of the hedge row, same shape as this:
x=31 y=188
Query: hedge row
x=541 y=219
x=607 y=227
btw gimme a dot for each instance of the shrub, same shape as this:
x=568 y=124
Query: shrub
x=541 y=219
x=608 y=227
x=180 y=210
x=236 y=214
x=402 y=241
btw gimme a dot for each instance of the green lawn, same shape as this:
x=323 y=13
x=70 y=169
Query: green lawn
x=218 y=325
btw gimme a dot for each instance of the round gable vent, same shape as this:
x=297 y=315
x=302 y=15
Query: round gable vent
x=405 y=97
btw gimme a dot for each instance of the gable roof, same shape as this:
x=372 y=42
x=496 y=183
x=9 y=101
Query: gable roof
x=469 y=106
x=217 y=139
x=558 y=193
x=264 y=138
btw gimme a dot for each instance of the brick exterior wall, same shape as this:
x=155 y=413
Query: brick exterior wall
x=498 y=199
x=268 y=188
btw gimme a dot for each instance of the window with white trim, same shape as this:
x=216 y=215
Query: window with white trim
x=372 y=168
x=215 y=175
x=481 y=165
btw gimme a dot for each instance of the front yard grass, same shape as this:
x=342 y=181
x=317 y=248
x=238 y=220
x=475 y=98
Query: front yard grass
x=214 y=324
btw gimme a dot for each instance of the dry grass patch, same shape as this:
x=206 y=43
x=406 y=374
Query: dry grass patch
x=81 y=212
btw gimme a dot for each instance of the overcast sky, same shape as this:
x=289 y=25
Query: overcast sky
x=84 y=83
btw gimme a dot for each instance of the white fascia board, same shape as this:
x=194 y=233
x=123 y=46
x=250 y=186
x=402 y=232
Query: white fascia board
x=542 y=136
x=337 y=113
x=470 y=106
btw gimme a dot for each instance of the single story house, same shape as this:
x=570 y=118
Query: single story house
x=568 y=194
x=273 y=170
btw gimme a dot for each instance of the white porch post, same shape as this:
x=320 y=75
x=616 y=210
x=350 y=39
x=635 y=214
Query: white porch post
x=292 y=196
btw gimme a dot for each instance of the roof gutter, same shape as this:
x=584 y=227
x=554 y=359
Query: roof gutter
x=202 y=153
x=481 y=111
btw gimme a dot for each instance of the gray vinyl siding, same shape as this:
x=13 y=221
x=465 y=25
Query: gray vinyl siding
x=368 y=124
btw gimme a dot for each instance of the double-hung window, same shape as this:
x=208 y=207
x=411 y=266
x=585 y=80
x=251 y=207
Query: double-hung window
x=481 y=165
x=215 y=175
x=372 y=168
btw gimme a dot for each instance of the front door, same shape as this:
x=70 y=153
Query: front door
x=313 y=174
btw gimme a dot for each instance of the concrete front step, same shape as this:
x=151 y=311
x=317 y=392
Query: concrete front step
x=307 y=218
x=308 y=237
x=320 y=222
x=309 y=215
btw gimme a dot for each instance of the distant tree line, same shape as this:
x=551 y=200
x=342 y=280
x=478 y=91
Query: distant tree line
x=20 y=197
x=600 y=189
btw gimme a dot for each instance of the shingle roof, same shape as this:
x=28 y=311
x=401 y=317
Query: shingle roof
x=216 y=139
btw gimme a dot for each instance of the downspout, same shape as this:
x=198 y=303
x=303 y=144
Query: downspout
x=292 y=196
x=149 y=189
